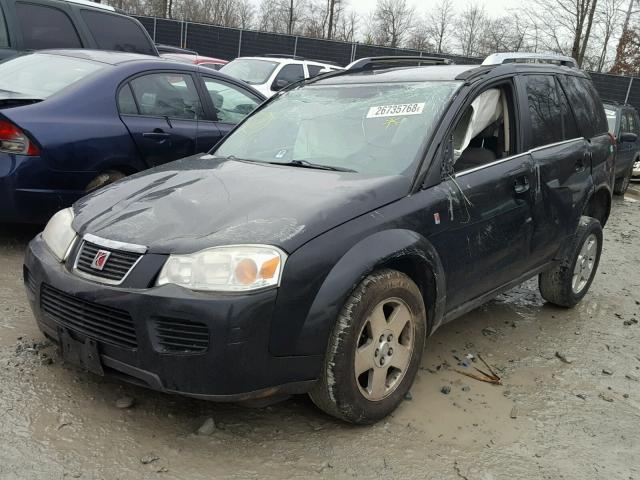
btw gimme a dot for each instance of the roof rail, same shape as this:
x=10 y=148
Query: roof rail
x=527 y=57
x=371 y=63
x=89 y=3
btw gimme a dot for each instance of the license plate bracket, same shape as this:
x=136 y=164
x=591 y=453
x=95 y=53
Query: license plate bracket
x=84 y=354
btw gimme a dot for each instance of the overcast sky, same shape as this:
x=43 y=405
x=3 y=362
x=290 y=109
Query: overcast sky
x=493 y=7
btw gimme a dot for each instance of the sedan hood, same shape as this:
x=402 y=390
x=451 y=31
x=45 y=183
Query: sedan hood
x=203 y=201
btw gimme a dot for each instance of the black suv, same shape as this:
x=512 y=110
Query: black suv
x=316 y=247
x=27 y=25
x=624 y=125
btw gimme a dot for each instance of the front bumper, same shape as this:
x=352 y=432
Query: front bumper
x=235 y=364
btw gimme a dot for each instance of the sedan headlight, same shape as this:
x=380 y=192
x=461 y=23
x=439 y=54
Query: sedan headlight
x=58 y=234
x=234 y=268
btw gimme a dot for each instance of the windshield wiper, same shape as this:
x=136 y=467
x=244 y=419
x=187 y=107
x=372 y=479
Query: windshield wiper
x=317 y=166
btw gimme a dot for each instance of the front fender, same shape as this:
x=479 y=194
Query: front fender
x=307 y=334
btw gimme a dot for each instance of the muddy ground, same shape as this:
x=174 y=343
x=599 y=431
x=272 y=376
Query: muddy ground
x=577 y=420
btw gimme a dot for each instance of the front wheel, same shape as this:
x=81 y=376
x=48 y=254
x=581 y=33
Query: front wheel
x=622 y=183
x=566 y=284
x=374 y=350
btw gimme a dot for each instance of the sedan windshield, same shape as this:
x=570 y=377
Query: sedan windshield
x=252 y=71
x=41 y=75
x=373 y=128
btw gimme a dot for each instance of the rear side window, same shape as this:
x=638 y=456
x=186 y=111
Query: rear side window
x=632 y=122
x=544 y=110
x=314 y=70
x=115 y=32
x=126 y=102
x=586 y=105
x=569 y=125
x=167 y=95
x=291 y=73
x=4 y=38
x=45 y=27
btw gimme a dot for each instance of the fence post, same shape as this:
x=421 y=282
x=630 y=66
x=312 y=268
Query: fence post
x=353 y=51
x=626 y=98
x=295 y=46
x=155 y=20
x=186 y=30
x=240 y=43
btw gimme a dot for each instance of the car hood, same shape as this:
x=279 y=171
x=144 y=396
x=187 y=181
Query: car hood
x=202 y=201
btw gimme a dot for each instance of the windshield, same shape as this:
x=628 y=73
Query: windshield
x=41 y=75
x=252 y=71
x=374 y=128
x=611 y=120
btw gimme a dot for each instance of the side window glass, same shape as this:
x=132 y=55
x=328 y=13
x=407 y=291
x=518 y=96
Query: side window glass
x=230 y=103
x=314 y=70
x=544 y=110
x=569 y=125
x=45 y=27
x=585 y=104
x=4 y=37
x=116 y=32
x=485 y=131
x=624 y=123
x=167 y=95
x=126 y=103
x=289 y=74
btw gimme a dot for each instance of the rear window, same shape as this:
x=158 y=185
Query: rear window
x=544 y=110
x=40 y=75
x=45 y=27
x=116 y=32
x=586 y=105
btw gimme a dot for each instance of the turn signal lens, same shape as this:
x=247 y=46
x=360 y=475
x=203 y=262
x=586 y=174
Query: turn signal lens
x=14 y=140
x=270 y=267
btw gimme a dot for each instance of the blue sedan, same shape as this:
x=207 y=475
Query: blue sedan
x=72 y=121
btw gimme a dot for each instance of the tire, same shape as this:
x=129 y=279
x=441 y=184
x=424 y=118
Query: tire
x=568 y=282
x=103 y=180
x=622 y=183
x=383 y=304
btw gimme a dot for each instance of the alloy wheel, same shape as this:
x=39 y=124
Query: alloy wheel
x=584 y=264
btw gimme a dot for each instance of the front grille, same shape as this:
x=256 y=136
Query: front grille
x=117 y=266
x=105 y=324
x=175 y=335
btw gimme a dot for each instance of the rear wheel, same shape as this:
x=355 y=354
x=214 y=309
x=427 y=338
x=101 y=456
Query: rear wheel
x=104 y=179
x=374 y=350
x=622 y=183
x=568 y=282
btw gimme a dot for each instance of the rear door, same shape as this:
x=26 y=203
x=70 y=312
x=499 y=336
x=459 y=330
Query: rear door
x=229 y=104
x=161 y=111
x=561 y=158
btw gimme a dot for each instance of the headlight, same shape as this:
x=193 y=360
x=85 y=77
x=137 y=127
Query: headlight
x=235 y=268
x=58 y=234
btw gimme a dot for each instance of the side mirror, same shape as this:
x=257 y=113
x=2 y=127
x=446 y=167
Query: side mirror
x=279 y=84
x=628 y=137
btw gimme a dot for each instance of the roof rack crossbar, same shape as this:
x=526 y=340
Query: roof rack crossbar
x=528 y=57
x=371 y=63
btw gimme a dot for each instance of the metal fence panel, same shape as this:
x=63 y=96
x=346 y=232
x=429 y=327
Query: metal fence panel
x=212 y=41
x=168 y=32
x=610 y=87
x=329 y=50
x=262 y=43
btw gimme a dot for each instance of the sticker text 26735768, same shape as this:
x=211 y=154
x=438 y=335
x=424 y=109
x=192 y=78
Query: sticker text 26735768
x=395 y=110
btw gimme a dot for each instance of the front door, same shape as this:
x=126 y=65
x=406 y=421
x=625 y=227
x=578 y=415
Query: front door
x=162 y=115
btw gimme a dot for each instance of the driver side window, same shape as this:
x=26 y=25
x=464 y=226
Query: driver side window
x=485 y=131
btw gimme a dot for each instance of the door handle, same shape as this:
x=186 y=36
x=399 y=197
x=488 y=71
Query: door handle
x=521 y=185
x=583 y=161
x=157 y=134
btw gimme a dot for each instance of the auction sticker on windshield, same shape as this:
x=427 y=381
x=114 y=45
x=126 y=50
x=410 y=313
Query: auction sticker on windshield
x=394 y=110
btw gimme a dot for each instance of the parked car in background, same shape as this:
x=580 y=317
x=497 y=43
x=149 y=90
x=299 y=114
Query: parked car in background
x=269 y=74
x=44 y=24
x=319 y=244
x=624 y=125
x=194 y=58
x=72 y=121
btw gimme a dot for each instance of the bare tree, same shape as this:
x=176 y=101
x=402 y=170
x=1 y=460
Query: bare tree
x=471 y=22
x=439 y=24
x=346 y=26
x=246 y=12
x=606 y=26
x=393 y=19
